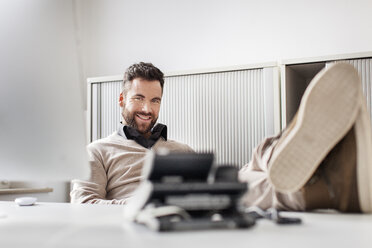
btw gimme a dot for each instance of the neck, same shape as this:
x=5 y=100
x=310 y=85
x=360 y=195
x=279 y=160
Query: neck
x=147 y=135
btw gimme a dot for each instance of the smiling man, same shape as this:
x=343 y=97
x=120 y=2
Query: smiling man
x=116 y=161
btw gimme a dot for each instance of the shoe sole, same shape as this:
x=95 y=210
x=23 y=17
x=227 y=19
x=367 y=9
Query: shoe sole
x=363 y=137
x=327 y=111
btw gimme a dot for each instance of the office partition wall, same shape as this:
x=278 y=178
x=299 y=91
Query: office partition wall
x=225 y=111
x=297 y=74
x=364 y=68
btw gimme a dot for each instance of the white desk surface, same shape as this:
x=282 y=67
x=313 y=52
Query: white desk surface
x=72 y=225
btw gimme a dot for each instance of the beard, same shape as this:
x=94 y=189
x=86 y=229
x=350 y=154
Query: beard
x=129 y=118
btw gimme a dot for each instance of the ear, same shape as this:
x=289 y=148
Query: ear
x=121 y=100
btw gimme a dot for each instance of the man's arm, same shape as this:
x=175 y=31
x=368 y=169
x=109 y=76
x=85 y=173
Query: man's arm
x=93 y=190
x=85 y=192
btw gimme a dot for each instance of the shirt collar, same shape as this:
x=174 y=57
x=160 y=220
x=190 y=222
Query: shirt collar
x=157 y=132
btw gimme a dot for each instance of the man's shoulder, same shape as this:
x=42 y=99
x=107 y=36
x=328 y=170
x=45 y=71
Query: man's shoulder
x=107 y=140
x=173 y=145
x=113 y=140
x=174 y=142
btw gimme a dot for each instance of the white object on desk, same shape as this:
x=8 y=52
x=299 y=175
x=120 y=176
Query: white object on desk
x=25 y=201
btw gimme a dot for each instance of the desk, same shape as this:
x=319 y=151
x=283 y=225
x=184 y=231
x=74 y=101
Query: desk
x=71 y=225
x=25 y=190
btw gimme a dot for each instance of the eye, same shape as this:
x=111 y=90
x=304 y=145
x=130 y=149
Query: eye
x=156 y=101
x=137 y=98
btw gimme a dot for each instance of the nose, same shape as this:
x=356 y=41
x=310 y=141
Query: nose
x=146 y=107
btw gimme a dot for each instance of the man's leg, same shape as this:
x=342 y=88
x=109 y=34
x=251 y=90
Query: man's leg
x=261 y=192
x=343 y=180
x=332 y=107
x=334 y=183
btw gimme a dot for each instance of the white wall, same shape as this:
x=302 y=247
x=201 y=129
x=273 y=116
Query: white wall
x=193 y=34
x=41 y=114
x=173 y=34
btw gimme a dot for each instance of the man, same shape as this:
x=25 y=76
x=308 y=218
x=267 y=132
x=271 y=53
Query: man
x=116 y=161
x=324 y=158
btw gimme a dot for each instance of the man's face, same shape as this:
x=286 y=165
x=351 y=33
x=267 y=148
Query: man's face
x=141 y=105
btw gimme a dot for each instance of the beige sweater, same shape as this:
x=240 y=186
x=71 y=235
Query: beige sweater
x=116 y=165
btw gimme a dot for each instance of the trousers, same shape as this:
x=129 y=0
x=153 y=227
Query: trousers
x=261 y=192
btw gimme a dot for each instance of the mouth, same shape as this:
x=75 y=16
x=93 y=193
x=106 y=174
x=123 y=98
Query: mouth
x=144 y=117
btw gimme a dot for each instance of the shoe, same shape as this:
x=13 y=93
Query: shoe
x=342 y=179
x=328 y=109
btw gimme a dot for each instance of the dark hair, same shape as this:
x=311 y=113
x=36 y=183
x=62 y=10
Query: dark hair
x=142 y=70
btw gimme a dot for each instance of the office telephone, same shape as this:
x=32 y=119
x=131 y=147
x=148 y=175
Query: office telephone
x=184 y=191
